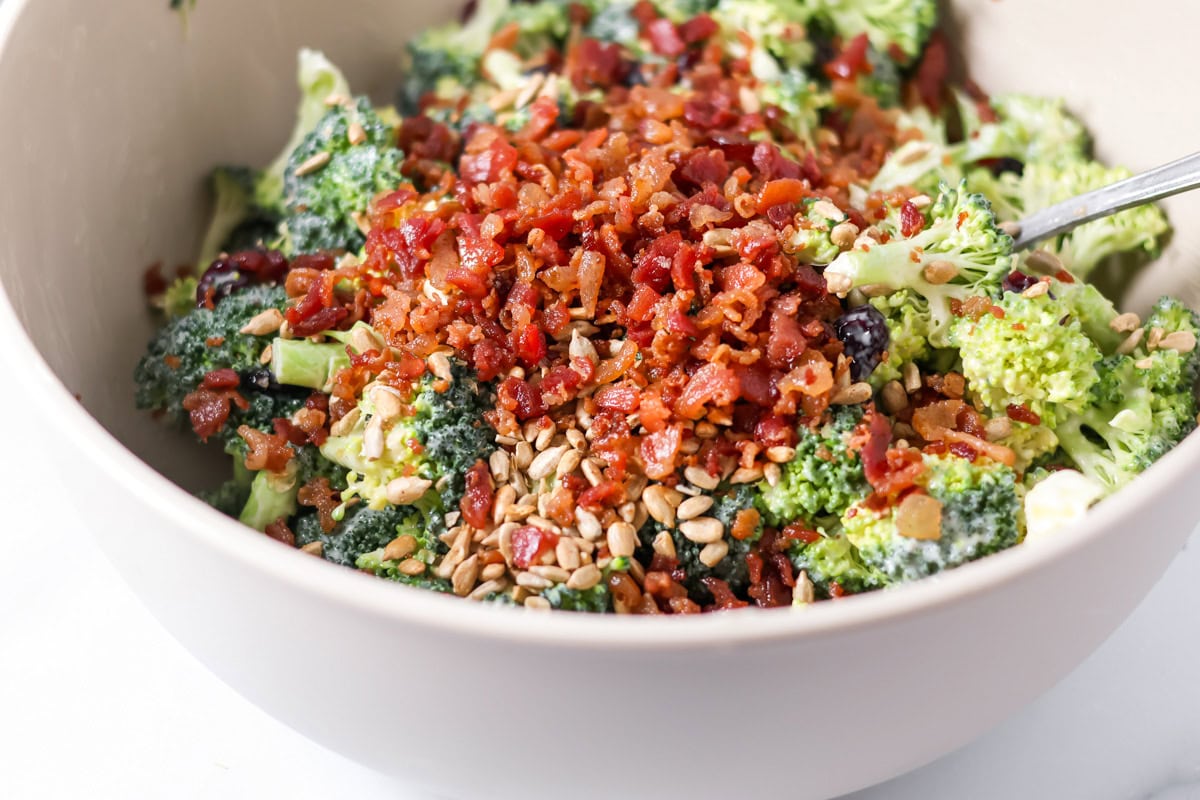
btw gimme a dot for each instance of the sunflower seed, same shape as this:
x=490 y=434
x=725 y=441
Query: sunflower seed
x=584 y=578
x=545 y=462
x=699 y=476
x=704 y=530
x=622 y=539
x=712 y=554
x=694 y=507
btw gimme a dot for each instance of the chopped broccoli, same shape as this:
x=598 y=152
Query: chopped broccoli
x=882 y=81
x=960 y=231
x=443 y=437
x=1035 y=354
x=180 y=355
x=832 y=559
x=810 y=243
x=230 y=497
x=801 y=101
x=1142 y=405
x=180 y=297
x=273 y=495
x=300 y=362
x=979 y=504
x=1136 y=230
x=596 y=600
x=321 y=202
x=732 y=569
x=903 y=23
x=909 y=325
x=776 y=27
x=447 y=58
x=362 y=534
x=823 y=478
x=1028 y=130
x=319 y=80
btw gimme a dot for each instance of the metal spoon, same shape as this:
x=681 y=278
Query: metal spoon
x=1178 y=176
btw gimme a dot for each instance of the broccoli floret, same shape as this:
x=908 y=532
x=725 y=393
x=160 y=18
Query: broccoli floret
x=961 y=232
x=882 y=81
x=909 y=326
x=1035 y=354
x=732 y=569
x=322 y=202
x=1028 y=130
x=801 y=102
x=180 y=297
x=362 y=534
x=596 y=600
x=823 y=478
x=189 y=347
x=777 y=28
x=272 y=496
x=979 y=505
x=903 y=23
x=445 y=60
x=613 y=22
x=1138 y=231
x=832 y=559
x=319 y=80
x=1142 y=406
x=811 y=243
x=439 y=441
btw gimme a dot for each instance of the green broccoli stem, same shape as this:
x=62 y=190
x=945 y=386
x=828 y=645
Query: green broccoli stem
x=267 y=502
x=299 y=362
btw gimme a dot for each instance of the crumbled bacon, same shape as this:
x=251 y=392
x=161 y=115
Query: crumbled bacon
x=265 y=450
x=318 y=494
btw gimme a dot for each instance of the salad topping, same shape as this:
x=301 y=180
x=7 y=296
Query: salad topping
x=666 y=307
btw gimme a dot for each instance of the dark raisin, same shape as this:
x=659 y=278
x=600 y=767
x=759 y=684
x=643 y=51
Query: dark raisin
x=1017 y=282
x=1000 y=165
x=229 y=273
x=221 y=279
x=262 y=379
x=864 y=334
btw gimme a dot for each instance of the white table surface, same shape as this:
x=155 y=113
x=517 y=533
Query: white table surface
x=97 y=701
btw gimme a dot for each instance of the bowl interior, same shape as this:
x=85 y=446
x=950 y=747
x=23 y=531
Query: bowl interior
x=122 y=115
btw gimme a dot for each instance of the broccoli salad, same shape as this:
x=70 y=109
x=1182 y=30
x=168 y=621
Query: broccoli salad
x=664 y=307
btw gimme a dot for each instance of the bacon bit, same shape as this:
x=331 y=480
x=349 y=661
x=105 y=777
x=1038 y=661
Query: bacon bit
x=851 y=61
x=745 y=523
x=280 y=532
x=723 y=597
x=836 y=591
x=221 y=379
x=209 y=409
x=932 y=72
x=771 y=578
x=1019 y=412
x=912 y=221
x=318 y=494
x=530 y=543
x=476 y=503
x=874 y=451
x=172 y=361
x=974 y=307
x=659 y=451
x=606 y=494
x=214 y=341
x=800 y=533
x=267 y=451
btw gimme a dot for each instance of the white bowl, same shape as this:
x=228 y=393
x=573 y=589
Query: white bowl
x=113 y=113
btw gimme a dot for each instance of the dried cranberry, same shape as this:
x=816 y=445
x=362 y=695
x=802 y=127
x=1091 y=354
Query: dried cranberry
x=1017 y=282
x=236 y=271
x=864 y=334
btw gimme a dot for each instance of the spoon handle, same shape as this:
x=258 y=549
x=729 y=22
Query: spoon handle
x=1178 y=176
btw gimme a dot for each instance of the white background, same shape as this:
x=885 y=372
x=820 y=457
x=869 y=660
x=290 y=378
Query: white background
x=97 y=701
